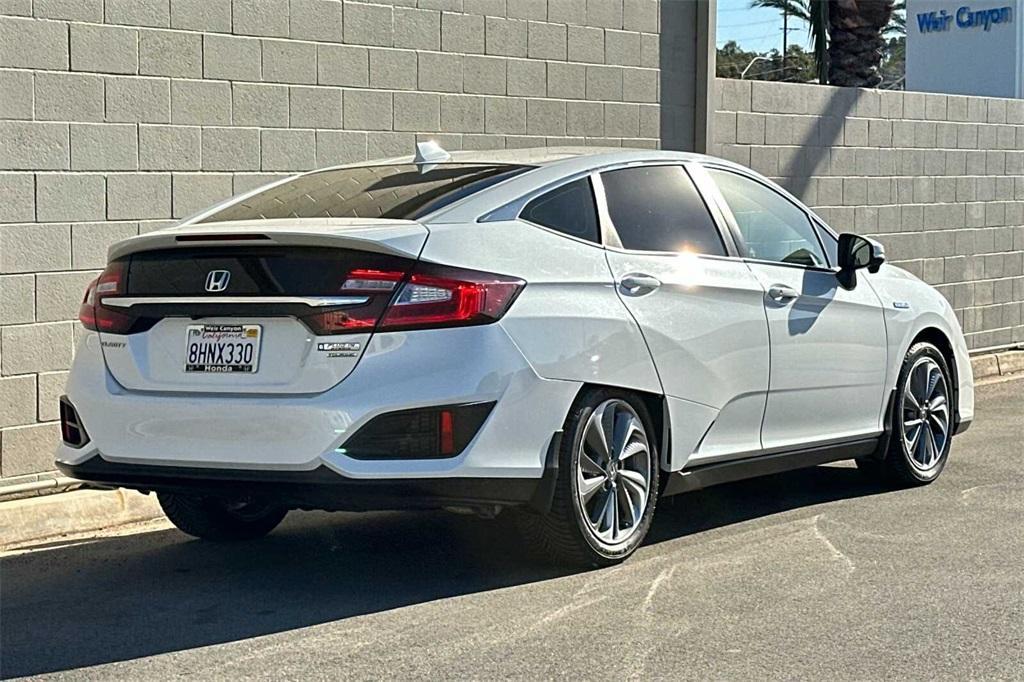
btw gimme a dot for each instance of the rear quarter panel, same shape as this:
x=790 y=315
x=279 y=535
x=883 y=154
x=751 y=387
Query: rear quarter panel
x=568 y=321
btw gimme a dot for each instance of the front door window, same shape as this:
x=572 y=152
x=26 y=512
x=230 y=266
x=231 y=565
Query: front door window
x=772 y=227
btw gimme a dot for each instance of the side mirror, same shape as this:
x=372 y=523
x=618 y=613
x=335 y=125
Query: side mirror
x=856 y=252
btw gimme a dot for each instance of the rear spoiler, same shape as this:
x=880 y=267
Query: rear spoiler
x=394 y=237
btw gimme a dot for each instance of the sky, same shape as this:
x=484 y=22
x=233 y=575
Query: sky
x=755 y=29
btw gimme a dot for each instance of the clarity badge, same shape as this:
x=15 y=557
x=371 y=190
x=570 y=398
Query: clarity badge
x=339 y=349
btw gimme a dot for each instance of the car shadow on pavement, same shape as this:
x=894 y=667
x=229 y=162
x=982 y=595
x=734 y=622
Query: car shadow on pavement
x=125 y=597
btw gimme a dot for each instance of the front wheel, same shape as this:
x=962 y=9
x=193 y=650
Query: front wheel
x=213 y=518
x=922 y=420
x=607 y=484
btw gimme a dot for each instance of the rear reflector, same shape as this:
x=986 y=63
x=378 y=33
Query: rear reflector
x=71 y=429
x=423 y=433
x=446 y=438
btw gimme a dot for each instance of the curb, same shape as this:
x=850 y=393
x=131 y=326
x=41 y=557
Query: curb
x=40 y=518
x=997 y=364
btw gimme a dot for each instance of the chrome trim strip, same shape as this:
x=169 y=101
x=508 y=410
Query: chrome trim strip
x=311 y=301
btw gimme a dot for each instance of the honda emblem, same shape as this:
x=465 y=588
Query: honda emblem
x=217 y=280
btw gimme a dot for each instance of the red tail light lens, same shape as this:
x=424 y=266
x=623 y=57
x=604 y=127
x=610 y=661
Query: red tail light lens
x=432 y=296
x=437 y=296
x=377 y=285
x=98 y=317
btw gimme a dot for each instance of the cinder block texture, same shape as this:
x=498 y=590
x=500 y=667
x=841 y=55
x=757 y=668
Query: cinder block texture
x=49 y=389
x=118 y=117
x=939 y=179
x=17 y=400
x=17 y=299
x=68 y=97
x=104 y=147
x=170 y=53
x=104 y=49
x=17 y=197
x=33 y=44
x=135 y=196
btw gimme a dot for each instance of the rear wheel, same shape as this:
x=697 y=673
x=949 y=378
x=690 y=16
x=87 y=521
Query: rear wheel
x=607 y=484
x=922 y=420
x=213 y=518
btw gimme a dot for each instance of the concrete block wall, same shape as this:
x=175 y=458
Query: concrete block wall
x=119 y=116
x=939 y=179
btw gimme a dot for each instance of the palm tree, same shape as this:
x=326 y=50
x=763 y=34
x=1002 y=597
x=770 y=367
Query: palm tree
x=846 y=35
x=856 y=42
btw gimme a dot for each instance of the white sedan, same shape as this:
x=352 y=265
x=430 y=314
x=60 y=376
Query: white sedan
x=566 y=335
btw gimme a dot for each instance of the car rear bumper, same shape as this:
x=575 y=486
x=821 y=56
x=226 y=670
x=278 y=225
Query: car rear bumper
x=302 y=433
x=320 y=488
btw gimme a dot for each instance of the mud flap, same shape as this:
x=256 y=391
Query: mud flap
x=545 y=491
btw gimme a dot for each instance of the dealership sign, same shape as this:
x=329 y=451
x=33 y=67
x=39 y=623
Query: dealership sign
x=941 y=20
x=966 y=47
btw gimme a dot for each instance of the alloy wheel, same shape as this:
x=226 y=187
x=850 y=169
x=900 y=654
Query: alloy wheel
x=925 y=414
x=613 y=473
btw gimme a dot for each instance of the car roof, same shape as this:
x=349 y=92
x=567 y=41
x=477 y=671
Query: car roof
x=551 y=166
x=544 y=156
x=548 y=165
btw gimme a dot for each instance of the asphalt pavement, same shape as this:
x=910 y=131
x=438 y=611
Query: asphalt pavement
x=812 y=574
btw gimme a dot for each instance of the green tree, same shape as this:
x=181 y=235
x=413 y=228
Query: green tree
x=732 y=60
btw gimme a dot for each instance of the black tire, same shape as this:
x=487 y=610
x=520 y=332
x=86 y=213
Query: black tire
x=900 y=466
x=212 y=518
x=562 y=536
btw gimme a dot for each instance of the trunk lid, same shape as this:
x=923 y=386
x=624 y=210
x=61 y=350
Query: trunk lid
x=272 y=293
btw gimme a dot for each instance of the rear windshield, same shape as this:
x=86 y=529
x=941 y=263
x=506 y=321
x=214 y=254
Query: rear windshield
x=398 y=192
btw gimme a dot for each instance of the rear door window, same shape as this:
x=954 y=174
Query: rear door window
x=568 y=209
x=657 y=208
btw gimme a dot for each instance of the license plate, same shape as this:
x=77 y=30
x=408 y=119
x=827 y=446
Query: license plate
x=222 y=348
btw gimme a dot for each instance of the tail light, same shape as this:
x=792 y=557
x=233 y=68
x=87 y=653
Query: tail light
x=432 y=296
x=377 y=285
x=98 y=317
x=437 y=296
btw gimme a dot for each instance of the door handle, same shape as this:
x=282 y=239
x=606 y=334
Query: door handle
x=780 y=293
x=637 y=284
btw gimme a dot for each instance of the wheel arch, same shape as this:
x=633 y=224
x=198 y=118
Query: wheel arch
x=656 y=407
x=942 y=342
